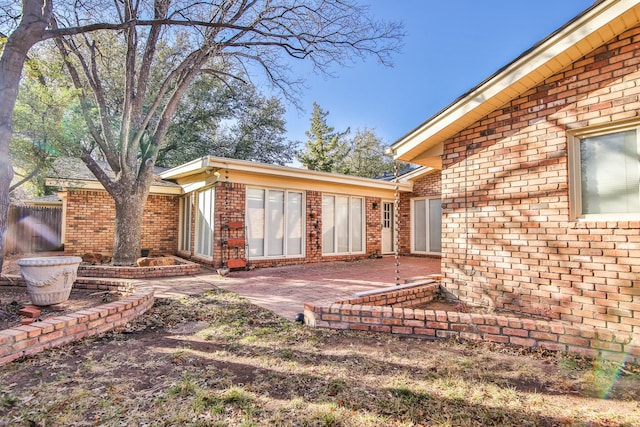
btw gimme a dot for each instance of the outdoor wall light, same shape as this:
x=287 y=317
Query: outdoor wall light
x=313 y=214
x=375 y=205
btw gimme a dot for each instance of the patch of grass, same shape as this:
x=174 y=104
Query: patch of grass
x=186 y=387
x=249 y=367
x=8 y=399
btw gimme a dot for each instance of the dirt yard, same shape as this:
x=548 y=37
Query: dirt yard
x=217 y=360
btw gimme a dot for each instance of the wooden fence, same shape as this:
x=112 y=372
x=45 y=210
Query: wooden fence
x=33 y=229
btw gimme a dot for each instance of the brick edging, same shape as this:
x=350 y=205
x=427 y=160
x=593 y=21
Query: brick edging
x=367 y=314
x=185 y=268
x=60 y=330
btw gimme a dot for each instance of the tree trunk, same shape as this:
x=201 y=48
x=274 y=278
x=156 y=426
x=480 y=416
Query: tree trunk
x=35 y=17
x=128 y=229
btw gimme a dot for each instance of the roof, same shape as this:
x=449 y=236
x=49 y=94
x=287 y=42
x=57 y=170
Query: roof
x=50 y=200
x=70 y=172
x=210 y=169
x=589 y=30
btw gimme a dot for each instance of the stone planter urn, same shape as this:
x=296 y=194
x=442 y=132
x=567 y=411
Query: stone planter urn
x=49 y=279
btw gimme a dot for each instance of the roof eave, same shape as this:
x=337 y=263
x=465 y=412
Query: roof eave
x=587 y=31
x=221 y=164
x=79 y=184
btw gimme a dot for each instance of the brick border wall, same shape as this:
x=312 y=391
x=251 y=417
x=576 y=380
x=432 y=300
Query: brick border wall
x=60 y=330
x=185 y=268
x=368 y=314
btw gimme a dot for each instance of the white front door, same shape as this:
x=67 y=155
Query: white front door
x=388 y=230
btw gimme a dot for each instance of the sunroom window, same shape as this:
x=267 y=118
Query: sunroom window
x=204 y=223
x=342 y=225
x=606 y=173
x=275 y=223
x=426 y=232
x=186 y=203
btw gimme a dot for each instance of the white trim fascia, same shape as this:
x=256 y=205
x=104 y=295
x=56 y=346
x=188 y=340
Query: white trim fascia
x=78 y=184
x=417 y=173
x=513 y=74
x=221 y=164
x=188 y=168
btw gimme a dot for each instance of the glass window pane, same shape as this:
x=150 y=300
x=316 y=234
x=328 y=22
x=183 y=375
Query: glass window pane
x=185 y=223
x=328 y=224
x=420 y=225
x=435 y=225
x=356 y=225
x=610 y=170
x=204 y=229
x=342 y=223
x=294 y=224
x=255 y=222
x=275 y=225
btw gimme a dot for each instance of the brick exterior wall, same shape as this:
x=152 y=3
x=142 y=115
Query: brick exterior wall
x=90 y=223
x=314 y=226
x=230 y=207
x=373 y=225
x=505 y=182
x=429 y=185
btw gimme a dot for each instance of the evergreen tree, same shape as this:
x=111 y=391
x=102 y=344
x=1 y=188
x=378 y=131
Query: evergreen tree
x=325 y=148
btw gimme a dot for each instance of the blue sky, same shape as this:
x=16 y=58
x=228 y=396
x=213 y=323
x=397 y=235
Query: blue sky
x=450 y=47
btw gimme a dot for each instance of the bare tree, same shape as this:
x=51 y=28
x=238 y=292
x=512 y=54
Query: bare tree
x=111 y=49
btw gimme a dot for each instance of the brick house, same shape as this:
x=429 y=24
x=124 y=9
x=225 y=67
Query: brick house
x=221 y=211
x=232 y=211
x=540 y=177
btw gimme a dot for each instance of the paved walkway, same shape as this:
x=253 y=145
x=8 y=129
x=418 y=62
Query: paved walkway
x=284 y=290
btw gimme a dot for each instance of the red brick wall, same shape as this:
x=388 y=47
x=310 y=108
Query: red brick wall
x=373 y=225
x=229 y=207
x=429 y=185
x=523 y=252
x=90 y=222
x=314 y=226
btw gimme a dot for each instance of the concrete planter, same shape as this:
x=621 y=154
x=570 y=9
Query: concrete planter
x=49 y=279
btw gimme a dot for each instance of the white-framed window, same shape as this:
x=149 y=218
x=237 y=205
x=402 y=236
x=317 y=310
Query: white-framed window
x=426 y=225
x=184 y=238
x=343 y=225
x=604 y=170
x=275 y=223
x=205 y=223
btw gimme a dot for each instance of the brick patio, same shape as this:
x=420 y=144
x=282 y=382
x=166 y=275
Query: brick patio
x=284 y=290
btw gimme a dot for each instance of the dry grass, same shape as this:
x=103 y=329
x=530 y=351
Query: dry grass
x=246 y=367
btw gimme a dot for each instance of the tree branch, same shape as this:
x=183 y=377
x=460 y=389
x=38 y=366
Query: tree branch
x=25 y=179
